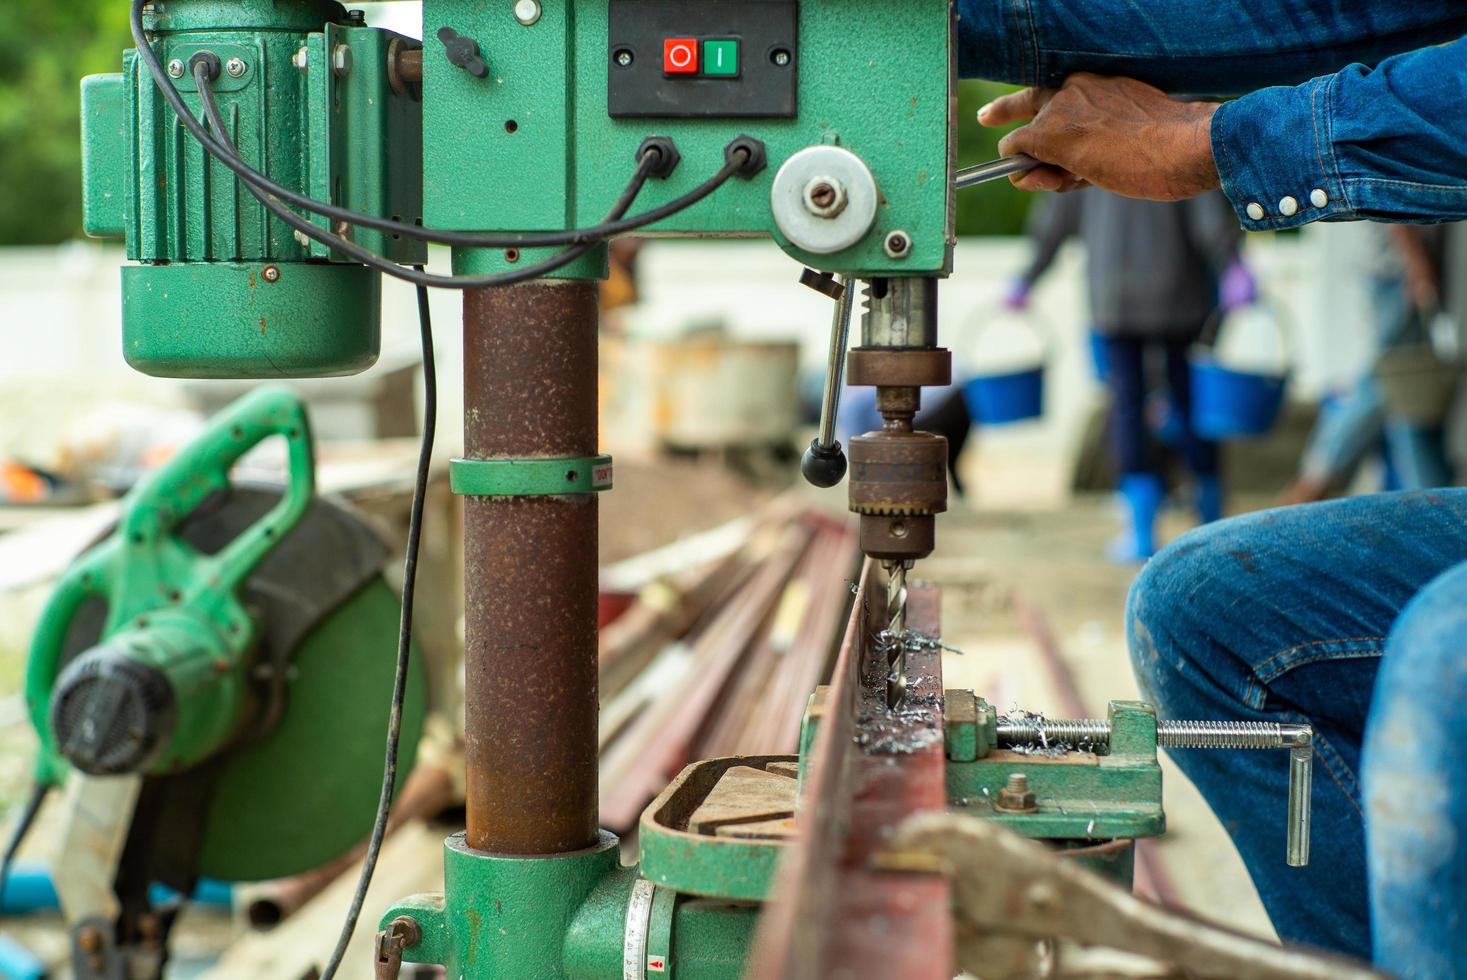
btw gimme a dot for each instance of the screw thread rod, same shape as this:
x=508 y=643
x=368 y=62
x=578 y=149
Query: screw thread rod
x=1169 y=734
x=1298 y=739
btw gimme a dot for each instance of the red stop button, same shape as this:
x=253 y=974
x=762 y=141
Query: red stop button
x=680 y=56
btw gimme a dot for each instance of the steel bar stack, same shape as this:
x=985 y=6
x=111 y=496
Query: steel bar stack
x=719 y=660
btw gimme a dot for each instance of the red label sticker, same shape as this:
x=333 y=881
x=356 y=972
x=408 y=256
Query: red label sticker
x=656 y=964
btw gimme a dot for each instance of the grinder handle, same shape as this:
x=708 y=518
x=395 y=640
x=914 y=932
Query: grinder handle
x=161 y=503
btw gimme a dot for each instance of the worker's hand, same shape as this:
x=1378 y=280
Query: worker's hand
x=1116 y=133
x=1237 y=288
x=1017 y=296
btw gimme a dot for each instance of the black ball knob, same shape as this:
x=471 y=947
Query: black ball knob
x=824 y=466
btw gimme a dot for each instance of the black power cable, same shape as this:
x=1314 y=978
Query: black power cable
x=747 y=151
x=23 y=827
x=404 y=636
x=650 y=161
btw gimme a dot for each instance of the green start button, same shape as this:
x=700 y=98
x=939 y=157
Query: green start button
x=721 y=58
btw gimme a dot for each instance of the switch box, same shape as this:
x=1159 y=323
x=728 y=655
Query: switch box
x=703 y=59
x=549 y=140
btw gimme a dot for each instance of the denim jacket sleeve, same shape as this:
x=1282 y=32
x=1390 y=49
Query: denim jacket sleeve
x=1387 y=143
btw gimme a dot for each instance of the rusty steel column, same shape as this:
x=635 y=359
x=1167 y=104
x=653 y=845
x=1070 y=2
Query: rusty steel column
x=530 y=573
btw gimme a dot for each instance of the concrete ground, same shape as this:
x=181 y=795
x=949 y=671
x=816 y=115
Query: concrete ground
x=1019 y=558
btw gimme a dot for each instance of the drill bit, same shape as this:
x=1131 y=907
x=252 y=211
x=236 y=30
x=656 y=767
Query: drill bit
x=896 y=611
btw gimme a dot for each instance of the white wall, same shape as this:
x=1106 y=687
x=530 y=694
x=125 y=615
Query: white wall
x=60 y=327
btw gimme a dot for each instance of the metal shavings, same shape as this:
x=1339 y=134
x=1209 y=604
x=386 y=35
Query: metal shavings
x=1090 y=828
x=1045 y=748
x=912 y=725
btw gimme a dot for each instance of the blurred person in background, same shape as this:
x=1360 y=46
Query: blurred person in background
x=1401 y=403
x=1157 y=273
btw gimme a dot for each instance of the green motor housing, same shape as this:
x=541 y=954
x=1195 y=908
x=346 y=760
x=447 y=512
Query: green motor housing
x=222 y=289
x=149 y=698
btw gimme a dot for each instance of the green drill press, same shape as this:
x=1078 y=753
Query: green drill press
x=827 y=125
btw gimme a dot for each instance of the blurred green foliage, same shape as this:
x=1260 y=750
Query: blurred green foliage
x=50 y=44
x=46 y=48
x=988 y=209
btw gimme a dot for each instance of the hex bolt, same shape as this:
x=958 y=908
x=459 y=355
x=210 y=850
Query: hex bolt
x=236 y=67
x=527 y=12
x=301 y=59
x=1016 y=796
x=898 y=245
x=1298 y=739
x=825 y=197
x=175 y=68
x=341 y=60
x=272 y=273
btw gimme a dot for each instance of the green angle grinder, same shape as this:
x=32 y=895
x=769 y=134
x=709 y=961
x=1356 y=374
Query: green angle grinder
x=210 y=686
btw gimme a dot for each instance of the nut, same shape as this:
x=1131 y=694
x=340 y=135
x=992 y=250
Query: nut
x=341 y=60
x=301 y=59
x=1016 y=796
x=898 y=245
x=825 y=197
x=89 y=939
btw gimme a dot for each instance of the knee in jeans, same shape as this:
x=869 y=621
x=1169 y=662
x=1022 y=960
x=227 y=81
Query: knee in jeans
x=1169 y=608
x=1425 y=652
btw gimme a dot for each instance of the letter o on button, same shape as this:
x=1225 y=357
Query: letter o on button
x=680 y=56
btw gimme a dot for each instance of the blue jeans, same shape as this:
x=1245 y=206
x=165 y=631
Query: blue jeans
x=1351 y=616
x=1130 y=435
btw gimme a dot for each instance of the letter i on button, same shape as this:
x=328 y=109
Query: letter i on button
x=680 y=56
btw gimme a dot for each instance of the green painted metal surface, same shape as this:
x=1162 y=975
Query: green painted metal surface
x=699 y=864
x=167 y=604
x=533 y=148
x=595 y=264
x=502 y=916
x=594 y=941
x=104 y=125
x=711 y=939
x=229 y=320
x=530 y=477
x=307 y=793
x=1080 y=795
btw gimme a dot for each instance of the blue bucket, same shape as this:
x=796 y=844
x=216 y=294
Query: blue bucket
x=1230 y=404
x=997 y=399
x=1100 y=355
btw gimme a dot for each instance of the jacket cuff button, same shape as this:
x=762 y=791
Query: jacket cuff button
x=1318 y=197
x=1288 y=207
x=1255 y=211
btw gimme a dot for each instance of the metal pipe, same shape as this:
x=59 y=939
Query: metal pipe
x=530 y=386
x=1298 y=739
x=1019 y=163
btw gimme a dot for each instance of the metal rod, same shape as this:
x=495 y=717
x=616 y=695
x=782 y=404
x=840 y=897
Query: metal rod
x=994 y=169
x=1298 y=739
x=835 y=368
x=530 y=573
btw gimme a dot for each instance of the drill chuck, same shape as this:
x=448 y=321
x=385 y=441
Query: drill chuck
x=112 y=714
